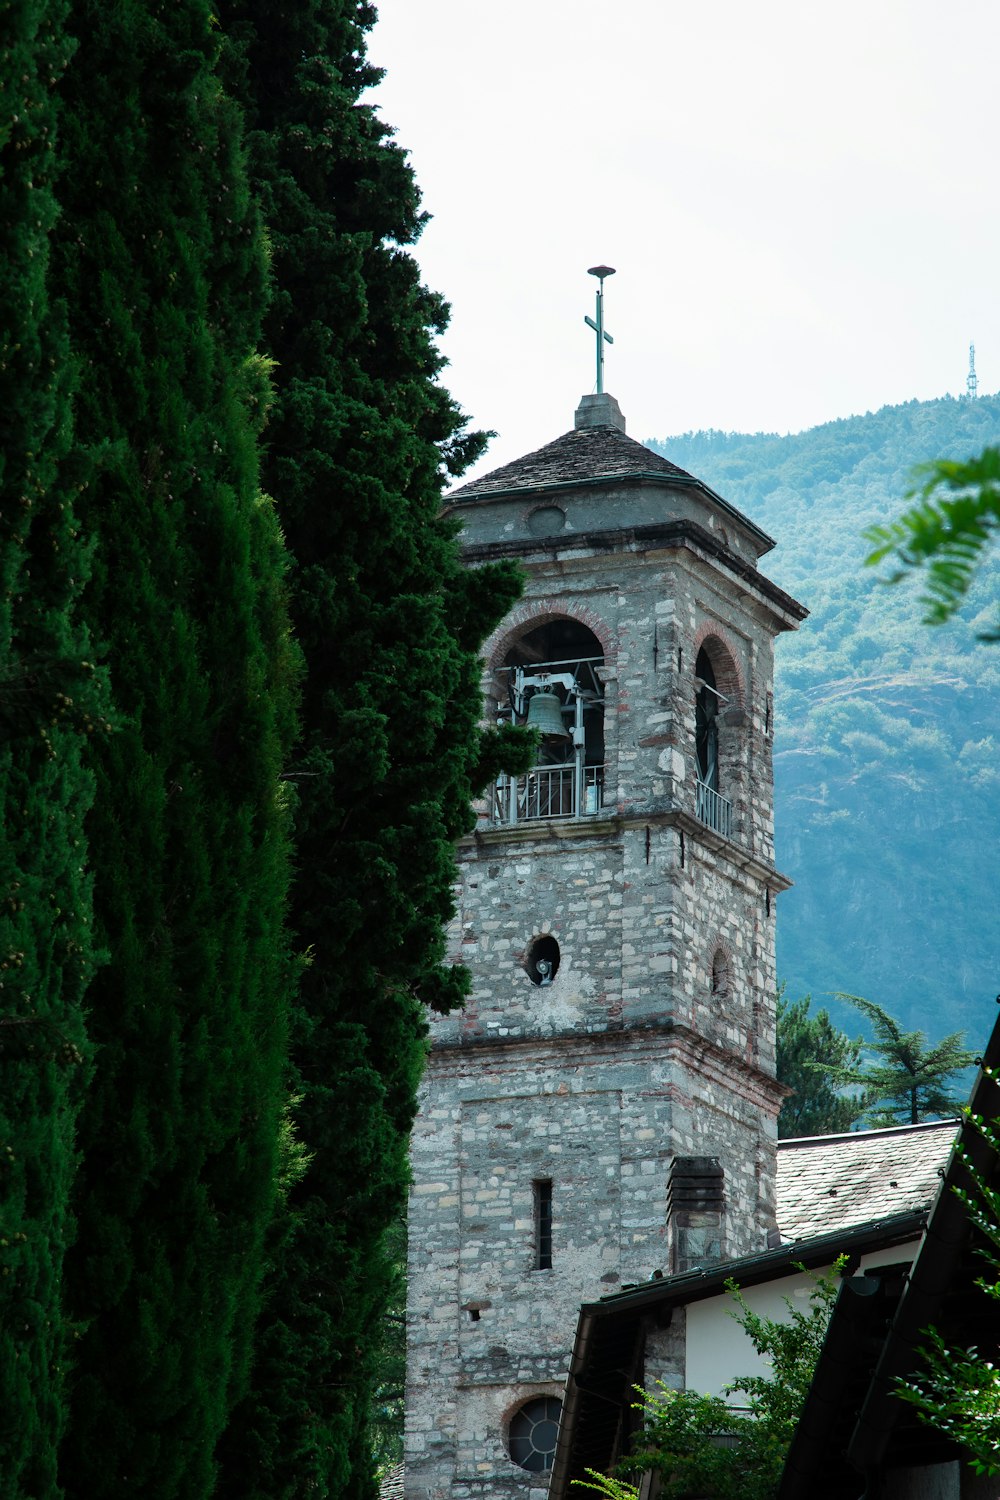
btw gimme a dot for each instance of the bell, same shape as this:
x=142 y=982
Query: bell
x=545 y=714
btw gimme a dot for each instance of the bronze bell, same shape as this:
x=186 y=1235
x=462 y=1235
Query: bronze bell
x=545 y=714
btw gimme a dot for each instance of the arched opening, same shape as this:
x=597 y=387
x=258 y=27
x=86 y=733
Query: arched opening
x=706 y=721
x=721 y=976
x=713 y=805
x=550 y=680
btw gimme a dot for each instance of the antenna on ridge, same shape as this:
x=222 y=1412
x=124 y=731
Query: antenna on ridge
x=971 y=381
x=600 y=272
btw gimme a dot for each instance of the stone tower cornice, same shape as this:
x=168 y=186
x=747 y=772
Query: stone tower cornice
x=663 y=535
x=545 y=837
x=661 y=1038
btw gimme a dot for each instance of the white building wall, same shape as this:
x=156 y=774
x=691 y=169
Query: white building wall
x=716 y=1348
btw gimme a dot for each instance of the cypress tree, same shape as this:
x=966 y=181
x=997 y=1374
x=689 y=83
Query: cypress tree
x=161 y=263
x=390 y=625
x=50 y=700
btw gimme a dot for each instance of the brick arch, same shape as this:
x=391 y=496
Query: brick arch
x=722 y=653
x=534 y=612
x=513 y=1399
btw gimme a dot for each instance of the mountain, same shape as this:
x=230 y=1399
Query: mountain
x=887 y=735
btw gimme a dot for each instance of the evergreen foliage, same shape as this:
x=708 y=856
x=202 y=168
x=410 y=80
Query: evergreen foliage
x=906 y=1081
x=51 y=700
x=160 y=260
x=808 y=1048
x=388 y=1405
x=390 y=625
x=887 y=778
x=955 y=517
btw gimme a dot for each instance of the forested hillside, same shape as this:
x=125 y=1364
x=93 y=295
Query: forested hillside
x=887 y=735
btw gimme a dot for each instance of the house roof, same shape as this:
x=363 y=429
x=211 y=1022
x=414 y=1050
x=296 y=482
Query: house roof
x=391 y=1484
x=830 y=1182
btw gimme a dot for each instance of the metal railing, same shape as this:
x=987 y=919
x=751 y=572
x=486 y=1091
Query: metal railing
x=559 y=792
x=730 y=1439
x=715 y=810
x=548 y=792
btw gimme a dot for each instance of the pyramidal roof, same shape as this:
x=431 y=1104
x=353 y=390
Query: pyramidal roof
x=585 y=453
x=596 y=448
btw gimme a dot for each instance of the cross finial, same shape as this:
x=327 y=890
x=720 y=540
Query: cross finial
x=600 y=272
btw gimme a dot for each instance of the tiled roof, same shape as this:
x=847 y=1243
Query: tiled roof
x=831 y=1182
x=584 y=454
x=391 y=1484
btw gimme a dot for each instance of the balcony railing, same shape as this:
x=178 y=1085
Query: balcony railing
x=715 y=810
x=560 y=792
x=548 y=792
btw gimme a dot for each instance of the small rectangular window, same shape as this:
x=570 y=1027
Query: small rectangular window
x=543 y=1224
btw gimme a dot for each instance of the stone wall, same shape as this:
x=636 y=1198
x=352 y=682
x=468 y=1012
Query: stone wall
x=600 y=1116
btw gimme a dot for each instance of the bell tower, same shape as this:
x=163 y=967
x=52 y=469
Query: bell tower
x=605 y=1106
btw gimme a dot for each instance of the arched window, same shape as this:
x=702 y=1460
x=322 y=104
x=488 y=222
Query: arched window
x=550 y=681
x=713 y=804
x=706 y=722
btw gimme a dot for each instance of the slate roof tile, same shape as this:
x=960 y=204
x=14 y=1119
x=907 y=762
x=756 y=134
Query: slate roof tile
x=391 y=1486
x=585 y=453
x=831 y=1182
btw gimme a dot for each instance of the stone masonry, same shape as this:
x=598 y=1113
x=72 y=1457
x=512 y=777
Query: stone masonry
x=654 y=1042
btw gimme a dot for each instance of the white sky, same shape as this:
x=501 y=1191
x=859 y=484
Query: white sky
x=802 y=203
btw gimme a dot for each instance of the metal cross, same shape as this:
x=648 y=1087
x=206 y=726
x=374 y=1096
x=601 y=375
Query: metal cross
x=600 y=272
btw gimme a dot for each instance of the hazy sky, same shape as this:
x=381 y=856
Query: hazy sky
x=802 y=203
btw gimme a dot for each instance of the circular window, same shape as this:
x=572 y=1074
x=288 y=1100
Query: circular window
x=546 y=520
x=542 y=962
x=534 y=1428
